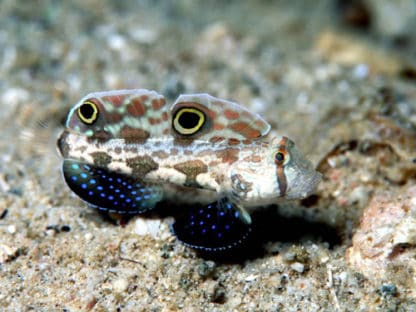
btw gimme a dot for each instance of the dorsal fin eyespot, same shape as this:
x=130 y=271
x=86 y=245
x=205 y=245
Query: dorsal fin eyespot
x=227 y=118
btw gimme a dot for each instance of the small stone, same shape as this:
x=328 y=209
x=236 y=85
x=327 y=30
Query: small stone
x=219 y=295
x=153 y=228
x=386 y=236
x=206 y=269
x=116 y=42
x=88 y=236
x=120 y=285
x=7 y=253
x=11 y=229
x=298 y=267
x=388 y=290
x=250 y=278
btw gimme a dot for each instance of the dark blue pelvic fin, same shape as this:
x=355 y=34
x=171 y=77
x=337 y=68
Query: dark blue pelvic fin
x=214 y=227
x=108 y=190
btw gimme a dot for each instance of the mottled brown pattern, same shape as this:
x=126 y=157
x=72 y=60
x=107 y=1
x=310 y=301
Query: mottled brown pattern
x=245 y=129
x=213 y=163
x=81 y=148
x=158 y=103
x=183 y=141
x=160 y=154
x=114 y=100
x=134 y=135
x=101 y=159
x=118 y=150
x=216 y=139
x=154 y=121
x=252 y=158
x=191 y=169
x=218 y=126
x=165 y=116
x=204 y=153
x=229 y=155
x=137 y=107
x=231 y=114
x=113 y=117
x=219 y=178
x=130 y=149
x=174 y=151
x=141 y=165
x=233 y=141
x=100 y=135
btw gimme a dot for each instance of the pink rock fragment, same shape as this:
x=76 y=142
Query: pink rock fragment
x=386 y=237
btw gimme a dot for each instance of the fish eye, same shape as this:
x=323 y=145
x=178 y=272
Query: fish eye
x=188 y=121
x=88 y=112
x=281 y=158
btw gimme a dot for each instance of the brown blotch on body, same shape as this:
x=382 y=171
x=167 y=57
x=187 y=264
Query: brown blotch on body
x=253 y=158
x=219 y=178
x=216 y=139
x=134 y=135
x=137 y=107
x=100 y=135
x=81 y=149
x=101 y=159
x=191 y=168
x=229 y=155
x=154 y=121
x=204 y=153
x=118 y=150
x=115 y=100
x=160 y=154
x=113 y=117
x=141 y=165
x=158 y=103
x=218 y=126
x=165 y=116
x=245 y=129
x=230 y=114
x=233 y=141
x=182 y=141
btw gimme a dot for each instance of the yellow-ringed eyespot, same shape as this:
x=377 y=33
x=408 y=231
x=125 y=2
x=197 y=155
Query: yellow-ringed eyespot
x=188 y=121
x=88 y=112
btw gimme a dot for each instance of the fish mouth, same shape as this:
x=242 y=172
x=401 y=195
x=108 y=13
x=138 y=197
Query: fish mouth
x=62 y=145
x=305 y=186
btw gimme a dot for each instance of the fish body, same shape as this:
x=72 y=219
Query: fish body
x=201 y=151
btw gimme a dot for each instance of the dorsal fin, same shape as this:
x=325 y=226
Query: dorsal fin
x=204 y=117
x=133 y=115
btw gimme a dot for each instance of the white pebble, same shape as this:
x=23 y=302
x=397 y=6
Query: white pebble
x=11 y=229
x=298 y=267
x=154 y=228
x=120 y=285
